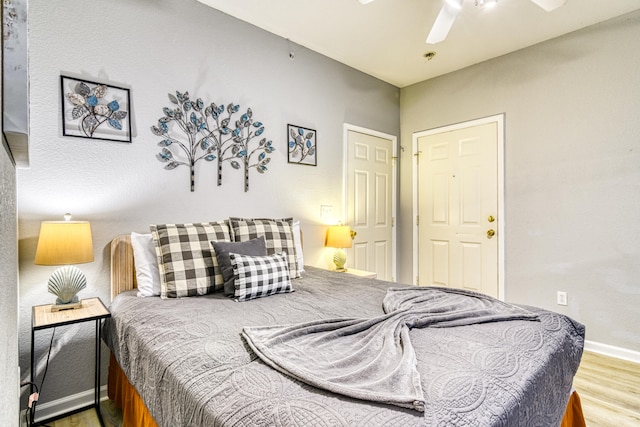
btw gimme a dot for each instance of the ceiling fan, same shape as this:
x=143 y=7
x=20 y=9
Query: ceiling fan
x=450 y=10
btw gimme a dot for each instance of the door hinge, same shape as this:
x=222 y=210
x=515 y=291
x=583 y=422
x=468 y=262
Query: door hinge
x=417 y=280
x=417 y=219
x=393 y=221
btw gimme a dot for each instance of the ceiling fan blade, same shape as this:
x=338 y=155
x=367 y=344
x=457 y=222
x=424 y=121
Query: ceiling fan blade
x=549 y=5
x=442 y=24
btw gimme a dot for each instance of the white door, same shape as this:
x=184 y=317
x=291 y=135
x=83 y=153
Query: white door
x=370 y=201
x=458 y=213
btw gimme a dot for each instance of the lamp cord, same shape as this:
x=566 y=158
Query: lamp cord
x=46 y=366
x=30 y=413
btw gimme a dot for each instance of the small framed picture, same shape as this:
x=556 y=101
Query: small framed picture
x=302 y=146
x=95 y=110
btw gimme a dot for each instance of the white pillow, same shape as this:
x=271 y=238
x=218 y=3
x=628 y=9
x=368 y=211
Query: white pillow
x=297 y=240
x=146 y=264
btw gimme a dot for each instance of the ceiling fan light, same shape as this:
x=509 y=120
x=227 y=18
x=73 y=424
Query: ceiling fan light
x=442 y=24
x=365 y=1
x=549 y=5
x=456 y=4
x=486 y=3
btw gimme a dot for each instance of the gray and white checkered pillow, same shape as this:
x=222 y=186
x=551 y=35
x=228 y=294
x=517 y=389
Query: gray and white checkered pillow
x=260 y=276
x=187 y=262
x=277 y=233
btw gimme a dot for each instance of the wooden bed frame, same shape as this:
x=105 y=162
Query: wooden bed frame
x=123 y=272
x=125 y=396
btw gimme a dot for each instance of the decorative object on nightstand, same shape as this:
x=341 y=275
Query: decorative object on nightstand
x=339 y=237
x=64 y=243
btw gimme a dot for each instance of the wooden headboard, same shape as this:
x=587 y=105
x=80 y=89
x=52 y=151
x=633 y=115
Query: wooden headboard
x=123 y=275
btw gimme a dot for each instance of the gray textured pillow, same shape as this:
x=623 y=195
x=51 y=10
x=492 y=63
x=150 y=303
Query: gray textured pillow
x=253 y=247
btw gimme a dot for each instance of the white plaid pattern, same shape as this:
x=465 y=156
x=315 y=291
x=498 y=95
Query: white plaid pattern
x=260 y=276
x=277 y=233
x=188 y=265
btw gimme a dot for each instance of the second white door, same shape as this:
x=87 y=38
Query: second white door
x=370 y=202
x=458 y=209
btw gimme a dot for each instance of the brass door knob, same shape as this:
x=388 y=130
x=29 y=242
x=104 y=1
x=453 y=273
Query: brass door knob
x=491 y=233
x=491 y=218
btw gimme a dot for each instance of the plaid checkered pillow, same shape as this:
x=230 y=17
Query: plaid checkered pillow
x=187 y=263
x=260 y=276
x=277 y=233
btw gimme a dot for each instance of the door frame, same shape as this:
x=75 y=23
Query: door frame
x=394 y=180
x=499 y=119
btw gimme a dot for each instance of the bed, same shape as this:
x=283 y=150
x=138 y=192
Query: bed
x=184 y=361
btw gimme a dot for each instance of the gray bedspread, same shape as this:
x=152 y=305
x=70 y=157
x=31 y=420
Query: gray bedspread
x=191 y=366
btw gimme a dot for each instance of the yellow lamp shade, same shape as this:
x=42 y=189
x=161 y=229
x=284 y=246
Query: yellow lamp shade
x=64 y=242
x=338 y=236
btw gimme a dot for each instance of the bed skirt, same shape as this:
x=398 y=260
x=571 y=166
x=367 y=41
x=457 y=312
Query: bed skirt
x=135 y=413
x=573 y=416
x=125 y=397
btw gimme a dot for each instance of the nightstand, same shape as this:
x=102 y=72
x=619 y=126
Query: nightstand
x=43 y=318
x=362 y=273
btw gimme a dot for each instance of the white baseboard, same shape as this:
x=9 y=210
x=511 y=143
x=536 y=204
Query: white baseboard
x=66 y=404
x=609 y=350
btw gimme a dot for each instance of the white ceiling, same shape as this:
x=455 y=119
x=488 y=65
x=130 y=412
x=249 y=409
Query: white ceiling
x=386 y=38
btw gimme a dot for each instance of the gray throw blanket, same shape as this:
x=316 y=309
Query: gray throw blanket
x=373 y=359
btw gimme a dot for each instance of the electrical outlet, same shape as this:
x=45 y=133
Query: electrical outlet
x=562 y=298
x=326 y=211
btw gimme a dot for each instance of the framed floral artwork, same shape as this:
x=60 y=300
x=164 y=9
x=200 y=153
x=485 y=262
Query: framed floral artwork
x=302 y=146
x=95 y=110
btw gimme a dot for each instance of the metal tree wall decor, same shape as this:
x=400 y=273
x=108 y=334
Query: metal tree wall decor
x=204 y=132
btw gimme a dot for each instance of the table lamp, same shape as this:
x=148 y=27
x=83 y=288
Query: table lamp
x=64 y=243
x=339 y=237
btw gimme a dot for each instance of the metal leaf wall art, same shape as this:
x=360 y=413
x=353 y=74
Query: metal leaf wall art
x=192 y=131
x=95 y=110
x=302 y=145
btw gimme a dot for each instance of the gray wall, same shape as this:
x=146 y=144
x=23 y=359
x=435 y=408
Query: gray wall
x=153 y=48
x=9 y=285
x=572 y=170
